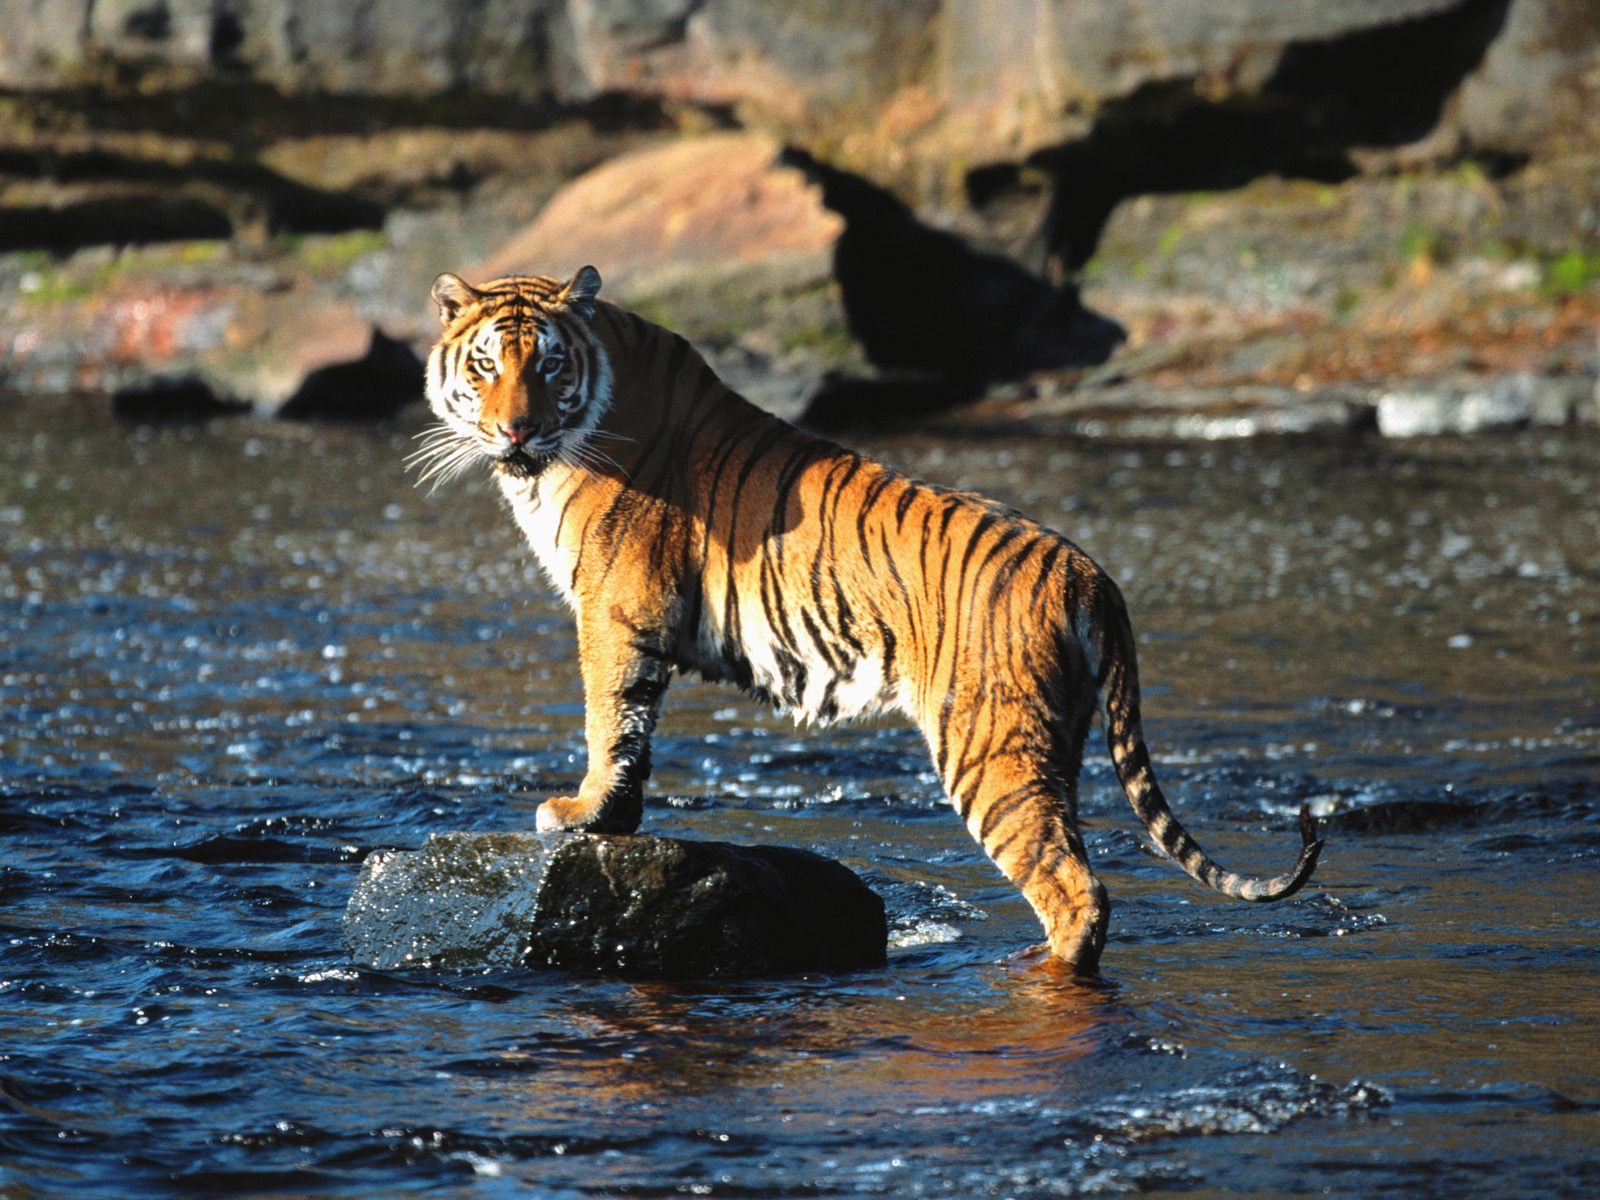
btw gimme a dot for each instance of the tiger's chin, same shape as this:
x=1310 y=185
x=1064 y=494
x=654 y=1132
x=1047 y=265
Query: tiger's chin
x=519 y=464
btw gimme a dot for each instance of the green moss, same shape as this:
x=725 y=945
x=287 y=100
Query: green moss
x=1502 y=250
x=1346 y=300
x=1420 y=241
x=1416 y=242
x=35 y=260
x=192 y=254
x=330 y=255
x=44 y=289
x=47 y=281
x=1571 y=272
x=832 y=340
x=1170 y=237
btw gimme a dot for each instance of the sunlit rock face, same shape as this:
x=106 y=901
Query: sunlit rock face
x=881 y=85
x=642 y=907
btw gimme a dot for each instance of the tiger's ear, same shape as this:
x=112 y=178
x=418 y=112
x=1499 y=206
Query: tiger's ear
x=452 y=293
x=581 y=290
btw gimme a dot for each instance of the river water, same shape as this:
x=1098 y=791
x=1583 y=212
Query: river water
x=239 y=656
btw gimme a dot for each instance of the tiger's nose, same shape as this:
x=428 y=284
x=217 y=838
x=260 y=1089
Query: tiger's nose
x=518 y=432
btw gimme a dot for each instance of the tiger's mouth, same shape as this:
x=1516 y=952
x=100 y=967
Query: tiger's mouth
x=522 y=462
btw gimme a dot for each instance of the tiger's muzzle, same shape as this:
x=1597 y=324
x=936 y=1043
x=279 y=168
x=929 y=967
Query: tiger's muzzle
x=524 y=447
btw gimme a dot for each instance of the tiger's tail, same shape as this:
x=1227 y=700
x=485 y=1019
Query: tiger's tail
x=1125 y=736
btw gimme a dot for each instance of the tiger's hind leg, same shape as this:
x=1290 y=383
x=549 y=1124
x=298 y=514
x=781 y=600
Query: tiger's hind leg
x=1021 y=806
x=1023 y=830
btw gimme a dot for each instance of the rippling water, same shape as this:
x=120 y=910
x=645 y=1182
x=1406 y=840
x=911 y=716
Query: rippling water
x=238 y=657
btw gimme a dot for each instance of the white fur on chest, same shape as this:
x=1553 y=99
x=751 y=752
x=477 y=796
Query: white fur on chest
x=537 y=510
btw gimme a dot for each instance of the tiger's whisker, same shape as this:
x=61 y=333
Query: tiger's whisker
x=445 y=463
x=581 y=454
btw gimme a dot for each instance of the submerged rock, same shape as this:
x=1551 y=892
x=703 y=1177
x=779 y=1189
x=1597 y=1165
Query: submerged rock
x=634 y=906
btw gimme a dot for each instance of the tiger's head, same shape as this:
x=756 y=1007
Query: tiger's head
x=519 y=375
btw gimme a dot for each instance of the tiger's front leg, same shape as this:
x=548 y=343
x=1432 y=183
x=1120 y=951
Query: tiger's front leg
x=625 y=671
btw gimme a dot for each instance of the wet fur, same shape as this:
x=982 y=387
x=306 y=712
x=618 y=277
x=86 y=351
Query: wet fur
x=691 y=531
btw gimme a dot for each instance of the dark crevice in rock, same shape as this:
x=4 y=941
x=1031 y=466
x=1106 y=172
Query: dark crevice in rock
x=120 y=220
x=120 y=199
x=374 y=386
x=153 y=24
x=108 y=196
x=925 y=304
x=227 y=36
x=249 y=114
x=1381 y=87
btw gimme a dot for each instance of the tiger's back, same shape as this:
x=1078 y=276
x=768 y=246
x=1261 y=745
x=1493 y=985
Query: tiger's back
x=692 y=531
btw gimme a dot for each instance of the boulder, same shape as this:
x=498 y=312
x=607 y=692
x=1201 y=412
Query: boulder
x=1458 y=406
x=640 y=907
x=295 y=355
x=1537 y=88
x=173 y=350
x=718 y=202
x=716 y=237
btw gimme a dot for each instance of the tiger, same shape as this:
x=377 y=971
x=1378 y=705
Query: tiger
x=693 y=532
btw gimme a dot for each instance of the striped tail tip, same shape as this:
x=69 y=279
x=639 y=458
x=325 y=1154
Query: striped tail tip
x=1281 y=887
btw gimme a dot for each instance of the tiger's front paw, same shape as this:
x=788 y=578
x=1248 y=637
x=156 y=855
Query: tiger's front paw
x=564 y=812
x=573 y=814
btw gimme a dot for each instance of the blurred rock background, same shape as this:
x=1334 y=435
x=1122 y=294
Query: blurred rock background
x=1131 y=217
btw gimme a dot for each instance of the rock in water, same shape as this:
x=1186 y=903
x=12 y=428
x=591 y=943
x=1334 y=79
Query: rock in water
x=644 y=907
x=462 y=900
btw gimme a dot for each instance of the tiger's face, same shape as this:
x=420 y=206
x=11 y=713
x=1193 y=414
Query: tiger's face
x=518 y=377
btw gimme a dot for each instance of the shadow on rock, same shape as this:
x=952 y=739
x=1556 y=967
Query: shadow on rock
x=378 y=384
x=353 y=371
x=124 y=199
x=941 y=319
x=1326 y=102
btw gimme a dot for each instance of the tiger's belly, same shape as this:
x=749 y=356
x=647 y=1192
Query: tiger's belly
x=812 y=682
x=811 y=676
